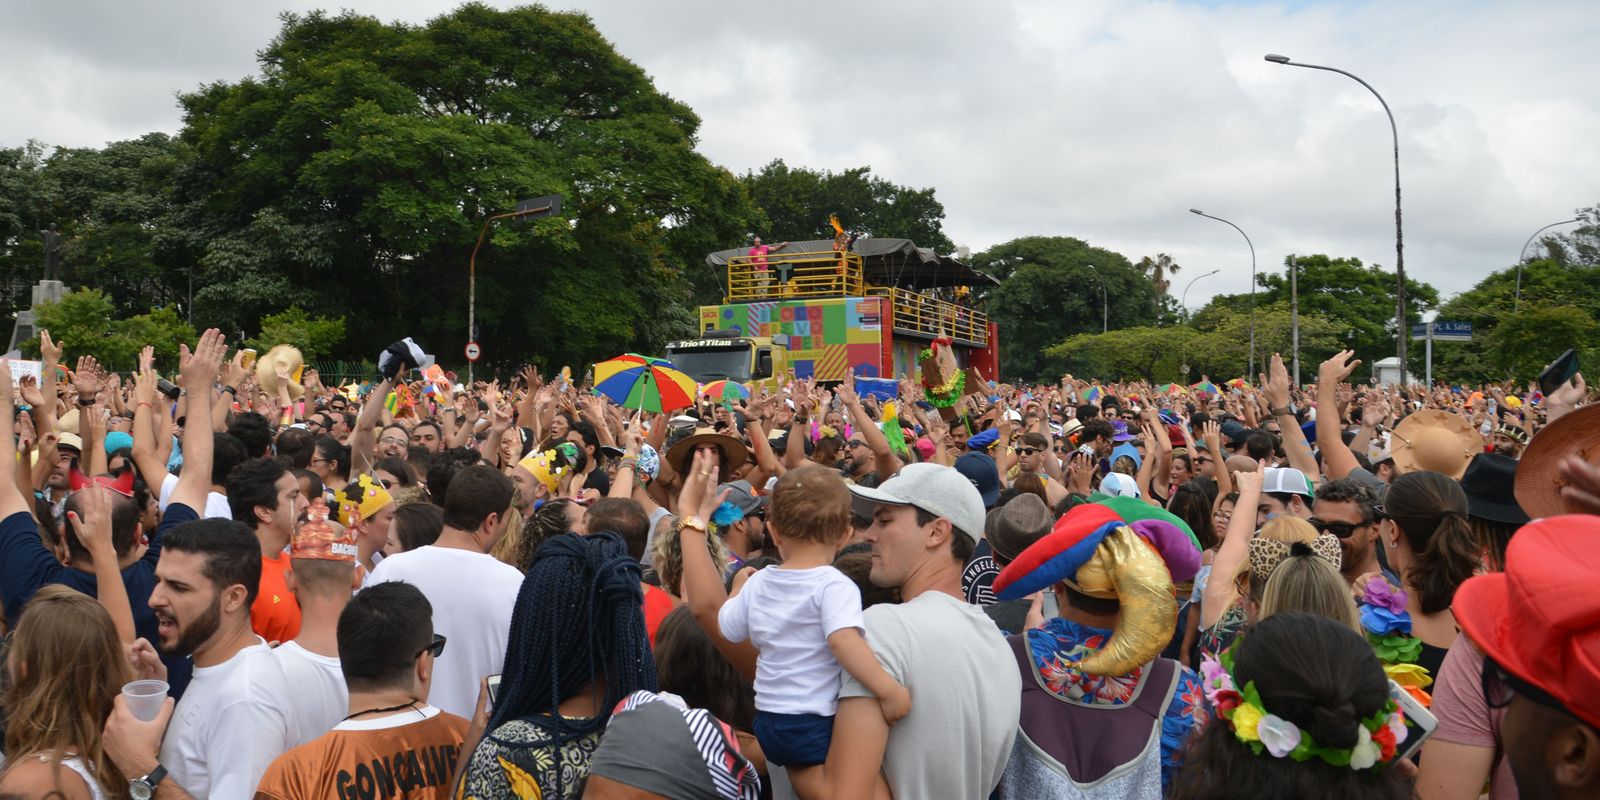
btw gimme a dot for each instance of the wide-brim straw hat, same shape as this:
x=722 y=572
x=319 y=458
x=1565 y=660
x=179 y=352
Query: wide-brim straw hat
x=1435 y=441
x=1539 y=484
x=682 y=453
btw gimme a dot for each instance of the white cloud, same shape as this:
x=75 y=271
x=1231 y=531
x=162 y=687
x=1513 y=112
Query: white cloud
x=1101 y=120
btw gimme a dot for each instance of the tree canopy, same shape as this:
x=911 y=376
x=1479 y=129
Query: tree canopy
x=797 y=202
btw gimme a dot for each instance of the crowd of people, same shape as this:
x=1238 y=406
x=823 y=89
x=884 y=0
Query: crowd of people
x=420 y=589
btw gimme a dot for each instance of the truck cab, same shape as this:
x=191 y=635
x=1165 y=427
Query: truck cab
x=757 y=361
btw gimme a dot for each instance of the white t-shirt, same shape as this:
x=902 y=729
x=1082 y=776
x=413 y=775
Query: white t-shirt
x=472 y=595
x=788 y=614
x=216 y=502
x=320 y=699
x=966 y=696
x=229 y=726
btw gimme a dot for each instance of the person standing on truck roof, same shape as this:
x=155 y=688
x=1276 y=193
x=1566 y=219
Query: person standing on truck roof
x=758 y=261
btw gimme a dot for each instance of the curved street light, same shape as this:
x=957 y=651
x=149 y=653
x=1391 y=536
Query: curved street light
x=1401 y=329
x=1252 y=282
x=1523 y=252
x=1184 y=303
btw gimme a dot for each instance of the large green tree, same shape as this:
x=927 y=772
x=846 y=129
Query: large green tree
x=1355 y=298
x=797 y=202
x=1512 y=339
x=1054 y=286
x=351 y=176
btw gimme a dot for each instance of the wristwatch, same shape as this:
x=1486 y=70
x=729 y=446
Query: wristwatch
x=695 y=523
x=145 y=788
x=1282 y=411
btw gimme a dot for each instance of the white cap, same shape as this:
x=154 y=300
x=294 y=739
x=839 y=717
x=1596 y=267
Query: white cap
x=936 y=489
x=1284 y=480
x=1117 y=484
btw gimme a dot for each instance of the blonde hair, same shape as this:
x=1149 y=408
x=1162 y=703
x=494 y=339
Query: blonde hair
x=1305 y=582
x=70 y=669
x=510 y=549
x=667 y=555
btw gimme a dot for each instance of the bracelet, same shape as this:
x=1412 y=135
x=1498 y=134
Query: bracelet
x=233 y=390
x=1282 y=411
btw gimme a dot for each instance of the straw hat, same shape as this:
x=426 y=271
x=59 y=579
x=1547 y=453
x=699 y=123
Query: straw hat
x=267 y=371
x=682 y=452
x=1434 y=441
x=1538 y=484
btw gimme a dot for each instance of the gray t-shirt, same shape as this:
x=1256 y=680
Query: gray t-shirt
x=966 y=696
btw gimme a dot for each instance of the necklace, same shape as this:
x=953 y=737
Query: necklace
x=411 y=705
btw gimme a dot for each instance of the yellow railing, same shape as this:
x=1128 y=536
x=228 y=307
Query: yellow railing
x=921 y=314
x=785 y=275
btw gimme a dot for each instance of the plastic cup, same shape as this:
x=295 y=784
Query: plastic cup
x=145 y=698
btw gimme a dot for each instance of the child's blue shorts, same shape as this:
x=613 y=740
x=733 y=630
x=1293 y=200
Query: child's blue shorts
x=794 y=740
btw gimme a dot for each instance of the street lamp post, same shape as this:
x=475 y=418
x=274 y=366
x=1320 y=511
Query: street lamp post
x=1516 y=306
x=1402 y=330
x=1185 y=301
x=1105 y=305
x=1247 y=241
x=530 y=208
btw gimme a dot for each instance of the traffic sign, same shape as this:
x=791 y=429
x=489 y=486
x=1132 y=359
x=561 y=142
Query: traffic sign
x=1443 y=331
x=473 y=351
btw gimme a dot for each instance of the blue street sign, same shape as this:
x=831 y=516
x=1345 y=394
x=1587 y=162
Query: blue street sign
x=1444 y=331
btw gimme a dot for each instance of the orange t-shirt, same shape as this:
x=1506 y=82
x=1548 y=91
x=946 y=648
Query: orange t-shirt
x=658 y=603
x=399 y=756
x=275 y=615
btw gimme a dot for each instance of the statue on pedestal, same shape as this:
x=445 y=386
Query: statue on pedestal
x=52 y=252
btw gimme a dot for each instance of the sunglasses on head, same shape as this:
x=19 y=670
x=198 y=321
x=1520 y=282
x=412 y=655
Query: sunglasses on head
x=1343 y=530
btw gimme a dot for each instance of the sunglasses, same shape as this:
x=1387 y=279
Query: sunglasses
x=1501 y=687
x=436 y=647
x=1343 y=530
x=1028 y=451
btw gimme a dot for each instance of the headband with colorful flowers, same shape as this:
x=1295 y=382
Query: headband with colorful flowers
x=1379 y=735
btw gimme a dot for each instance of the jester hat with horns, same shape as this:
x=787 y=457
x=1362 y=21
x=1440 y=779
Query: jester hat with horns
x=1118 y=548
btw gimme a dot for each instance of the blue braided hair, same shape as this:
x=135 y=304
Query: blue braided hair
x=578 y=619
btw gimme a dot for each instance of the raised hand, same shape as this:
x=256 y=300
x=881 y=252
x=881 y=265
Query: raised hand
x=1275 y=383
x=1337 y=369
x=28 y=388
x=86 y=379
x=93 y=524
x=50 y=349
x=199 y=367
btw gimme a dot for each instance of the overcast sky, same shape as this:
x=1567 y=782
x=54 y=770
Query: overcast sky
x=1103 y=120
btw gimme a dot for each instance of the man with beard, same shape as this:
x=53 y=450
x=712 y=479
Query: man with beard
x=230 y=723
x=869 y=460
x=1348 y=509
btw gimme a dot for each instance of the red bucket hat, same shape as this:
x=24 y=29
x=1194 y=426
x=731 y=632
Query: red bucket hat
x=1540 y=619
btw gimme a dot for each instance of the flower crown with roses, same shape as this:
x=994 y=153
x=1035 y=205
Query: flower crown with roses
x=1379 y=735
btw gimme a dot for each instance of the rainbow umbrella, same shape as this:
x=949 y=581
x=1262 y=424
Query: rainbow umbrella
x=643 y=383
x=1170 y=389
x=1093 y=394
x=1239 y=383
x=725 y=392
x=1204 y=387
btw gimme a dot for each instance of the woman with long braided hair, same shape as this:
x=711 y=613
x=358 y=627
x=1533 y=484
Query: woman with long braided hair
x=577 y=648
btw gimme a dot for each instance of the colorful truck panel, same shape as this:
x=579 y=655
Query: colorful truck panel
x=828 y=337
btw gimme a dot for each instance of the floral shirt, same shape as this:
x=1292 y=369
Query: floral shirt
x=1060 y=644
x=518 y=761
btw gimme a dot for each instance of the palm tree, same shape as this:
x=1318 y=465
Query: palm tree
x=1159 y=270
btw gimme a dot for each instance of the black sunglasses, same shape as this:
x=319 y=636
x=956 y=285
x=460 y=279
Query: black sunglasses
x=1501 y=687
x=1343 y=530
x=436 y=647
x=1028 y=451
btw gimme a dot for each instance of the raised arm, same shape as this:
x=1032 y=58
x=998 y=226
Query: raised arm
x=1221 y=592
x=884 y=459
x=1276 y=387
x=199 y=370
x=702 y=586
x=11 y=500
x=1337 y=460
x=364 y=436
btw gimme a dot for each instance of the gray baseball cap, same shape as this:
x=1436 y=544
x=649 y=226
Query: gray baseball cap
x=936 y=489
x=742 y=495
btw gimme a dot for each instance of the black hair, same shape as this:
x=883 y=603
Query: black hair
x=381 y=632
x=1317 y=674
x=295 y=447
x=1190 y=504
x=475 y=493
x=417 y=525
x=227 y=452
x=1087 y=412
x=252 y=485
x=419 y=459
x=586 y=431
x=1259 y=445
x=546 y=522
x=1431 y=510
x=690 y=666
x=1349 y=490
x=397 y=467
x=232 y=552
x=125 y=513
x=1094 y=430
x=855 y=561
x=315 y=487
x=1099 y=606
x=331 y=450
x=578 y=622
x=625 y=518
x=254 y=432
x=444 y=467
x=430 y=423
x=961 y=543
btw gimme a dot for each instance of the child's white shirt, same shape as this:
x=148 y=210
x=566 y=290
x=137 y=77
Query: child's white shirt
x=788 y=614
